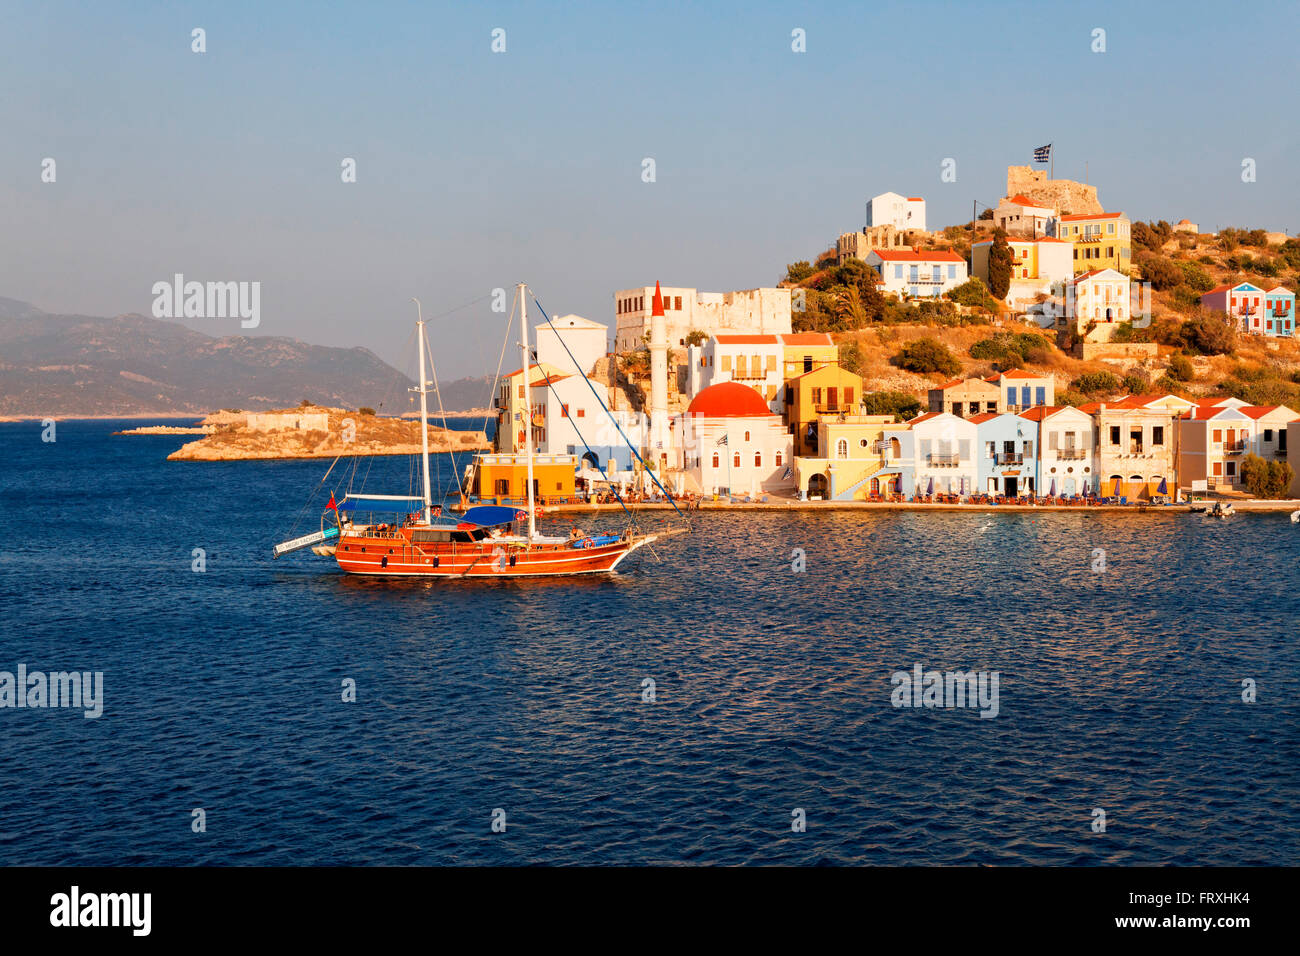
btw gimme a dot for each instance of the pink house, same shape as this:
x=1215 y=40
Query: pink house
x=1260 y=312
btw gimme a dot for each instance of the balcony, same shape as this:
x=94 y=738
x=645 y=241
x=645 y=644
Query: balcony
x=1234 y=447
x=836 y=409
x=943 y=461
x=749 y=376
x=1071 y=454
x=1008 y=458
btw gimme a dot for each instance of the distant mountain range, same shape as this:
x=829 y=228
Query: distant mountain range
x=64 y=366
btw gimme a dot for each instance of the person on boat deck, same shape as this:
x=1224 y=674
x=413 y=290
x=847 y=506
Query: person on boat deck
x=576 y=534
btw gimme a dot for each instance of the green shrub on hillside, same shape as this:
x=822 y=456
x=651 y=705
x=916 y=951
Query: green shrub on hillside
x=1181 y=369
x=927 y=355
x=973 y=292
x=1136 y=382
x=903 y=405
x=1196 y=278
x=1162 y=273
x=1092 y=382
x=1009 y=349
x=1210 y=334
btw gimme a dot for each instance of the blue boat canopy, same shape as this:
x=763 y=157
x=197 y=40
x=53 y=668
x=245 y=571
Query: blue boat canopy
x=487 y=516
x=389 y=503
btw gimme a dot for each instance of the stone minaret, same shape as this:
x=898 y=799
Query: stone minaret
x=658 y=378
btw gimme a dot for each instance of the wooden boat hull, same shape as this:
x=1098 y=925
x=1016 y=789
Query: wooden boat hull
x=399 y=557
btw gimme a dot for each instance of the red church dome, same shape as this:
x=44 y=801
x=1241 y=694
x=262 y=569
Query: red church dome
x=728 y=400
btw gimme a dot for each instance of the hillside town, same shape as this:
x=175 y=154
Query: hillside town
x=1099 y=338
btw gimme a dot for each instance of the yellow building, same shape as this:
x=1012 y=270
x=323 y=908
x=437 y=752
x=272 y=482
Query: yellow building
x=829 y=390
x=805 y=351
x=502 y=479
x=853 y=448
x=1101 y=240
x=509 y=402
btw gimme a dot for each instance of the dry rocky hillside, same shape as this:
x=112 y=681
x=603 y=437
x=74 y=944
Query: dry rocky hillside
x=1180 y=267
x=241 y=436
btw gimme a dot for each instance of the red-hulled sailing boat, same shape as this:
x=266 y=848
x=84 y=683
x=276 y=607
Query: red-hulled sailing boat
x=486 y=541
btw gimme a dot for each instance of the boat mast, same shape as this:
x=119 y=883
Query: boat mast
x=528 y=407
x=424 y=411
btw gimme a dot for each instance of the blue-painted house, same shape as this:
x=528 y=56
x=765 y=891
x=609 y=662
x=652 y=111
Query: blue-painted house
x=1004 y=456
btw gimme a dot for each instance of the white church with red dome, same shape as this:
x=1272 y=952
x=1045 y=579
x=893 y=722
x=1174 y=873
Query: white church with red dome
x=729 y=441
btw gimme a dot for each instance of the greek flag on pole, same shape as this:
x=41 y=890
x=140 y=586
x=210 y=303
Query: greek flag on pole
x=1043 y=153
x=721 y=441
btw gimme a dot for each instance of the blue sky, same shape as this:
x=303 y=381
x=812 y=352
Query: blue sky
x=476 y=170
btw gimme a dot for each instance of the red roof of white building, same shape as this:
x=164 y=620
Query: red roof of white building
x=729 y=400
x=909 y=255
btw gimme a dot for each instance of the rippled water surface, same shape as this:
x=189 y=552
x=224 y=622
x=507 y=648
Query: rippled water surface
x=1119 y=690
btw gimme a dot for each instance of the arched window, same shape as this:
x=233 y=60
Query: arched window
x=758 y=459
x=715 y=460
x=746 y=436
x=778 y=459
x=736 y=460
x=842 y=448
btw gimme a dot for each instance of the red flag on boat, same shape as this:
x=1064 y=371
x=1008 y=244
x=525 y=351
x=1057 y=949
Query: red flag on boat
x=333 y=504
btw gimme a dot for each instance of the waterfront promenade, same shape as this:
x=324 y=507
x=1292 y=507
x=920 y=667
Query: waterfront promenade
x=792 y=504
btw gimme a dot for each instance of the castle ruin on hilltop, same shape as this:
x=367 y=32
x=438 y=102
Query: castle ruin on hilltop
x=1069 y=197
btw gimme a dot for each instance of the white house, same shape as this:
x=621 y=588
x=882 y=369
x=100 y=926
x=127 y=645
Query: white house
x=917 y=274
x=568 y=419
x=761 y=311
x=1100 y=296
x=901 y=212
x=587 y=340
x=754 y=360
x=728 y=440
x=1066 y=463
x=938 y=454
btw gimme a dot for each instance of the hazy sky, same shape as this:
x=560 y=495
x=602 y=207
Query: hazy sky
x=476 y=170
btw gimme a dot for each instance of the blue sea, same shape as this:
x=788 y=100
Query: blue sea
x=1120 y=690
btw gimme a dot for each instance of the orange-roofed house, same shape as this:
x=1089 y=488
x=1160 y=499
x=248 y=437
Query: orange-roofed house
x=935 y=454
x=1021 y=389
x=729 y=442
x=1101 y=240
x=1064 y=457
x=917 y=274
x=805 y=351
x=1136 y=445
x=1213 y=439
x=829 y=390
x=966 y=397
